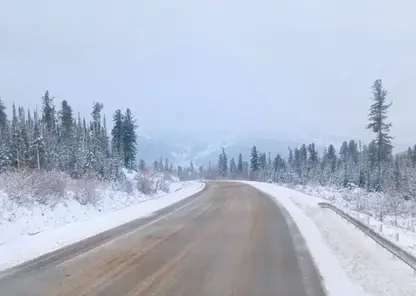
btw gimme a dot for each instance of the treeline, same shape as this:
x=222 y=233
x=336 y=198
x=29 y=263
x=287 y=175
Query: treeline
x=371 y=166
x=51 y=139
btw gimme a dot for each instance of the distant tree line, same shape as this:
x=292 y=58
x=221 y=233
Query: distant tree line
x=371 y=166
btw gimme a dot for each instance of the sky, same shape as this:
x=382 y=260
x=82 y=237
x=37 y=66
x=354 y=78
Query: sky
x=296 y=67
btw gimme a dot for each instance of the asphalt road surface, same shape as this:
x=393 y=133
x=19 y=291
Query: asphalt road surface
x=230 y=239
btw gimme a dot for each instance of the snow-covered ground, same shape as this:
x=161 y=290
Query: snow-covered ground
x=31 y=231
x=400 y=229
x=349 y=262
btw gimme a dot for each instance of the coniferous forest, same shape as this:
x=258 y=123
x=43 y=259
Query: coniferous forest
x=371 y=166
x=57 y=138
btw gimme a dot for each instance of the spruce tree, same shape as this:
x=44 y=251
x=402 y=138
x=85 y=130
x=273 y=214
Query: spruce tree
x=48 y=113
x=378 y=124
x=129 y=140
x=332 y=158
x=233 y=168
x=117 y=136
x=254 y=161
x=15 y=149
x=313 y=160
x=23 y=138
x=5 y=160
x=48 y=129
x=66 y=147
x=240 y=165
x=37 y=151
x=3 y=118
x=223 y=164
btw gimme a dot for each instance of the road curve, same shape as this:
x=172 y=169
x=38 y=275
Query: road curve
x=231 y=239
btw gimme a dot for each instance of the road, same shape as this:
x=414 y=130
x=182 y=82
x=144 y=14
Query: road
x=230 y=239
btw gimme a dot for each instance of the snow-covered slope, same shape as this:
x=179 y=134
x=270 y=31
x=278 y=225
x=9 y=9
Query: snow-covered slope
x=398 y=226
x=38 y=229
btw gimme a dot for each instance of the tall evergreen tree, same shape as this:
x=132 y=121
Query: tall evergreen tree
x=3 y=118
x=37 y=151
x=66 y=147
x=130 y=140
x=5 y=160
x=240 y=165
x=48 y=129
x=233 y=168
x=117 y=134
x=223 y=164
x=48 y=113
x=378 y=124
x=254 y=161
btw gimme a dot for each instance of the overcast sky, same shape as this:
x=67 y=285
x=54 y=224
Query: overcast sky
x=299 y=66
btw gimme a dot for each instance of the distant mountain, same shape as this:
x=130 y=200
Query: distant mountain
x=182 y=148
x=203 y=147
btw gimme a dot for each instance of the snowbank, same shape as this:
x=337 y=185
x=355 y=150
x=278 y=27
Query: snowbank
x=335 y=279
x=399 y=228
x=27 y=232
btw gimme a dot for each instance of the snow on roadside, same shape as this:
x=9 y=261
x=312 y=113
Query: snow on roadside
x=363 y=262
x=404 y=235
x=77 y=222
x=401 y=237
x=335 y=279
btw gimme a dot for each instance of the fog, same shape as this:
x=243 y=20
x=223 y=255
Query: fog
x=299 y=67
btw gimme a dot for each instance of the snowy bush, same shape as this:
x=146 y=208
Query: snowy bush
x=34 y=186
x=385 y=207
x=144 y=185
x=28 y=187
x=84 y=190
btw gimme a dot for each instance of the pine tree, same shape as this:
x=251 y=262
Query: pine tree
x=233 y=168
x=313 y=163
x=48 y=115
x=117 y=137
x=223 y=164
x=377 y=123
x=129 y=140
x=96 y=158
x=255 y=163
x=191 y=172
x=23 y=138
x=3 y=118
x=48 y=130
x=66 y=147
x=303 y=162
x=332 y=158
x=263 y=166
x=15 y=149
x=5 y=160
x=37 y=151
x=240 y=165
